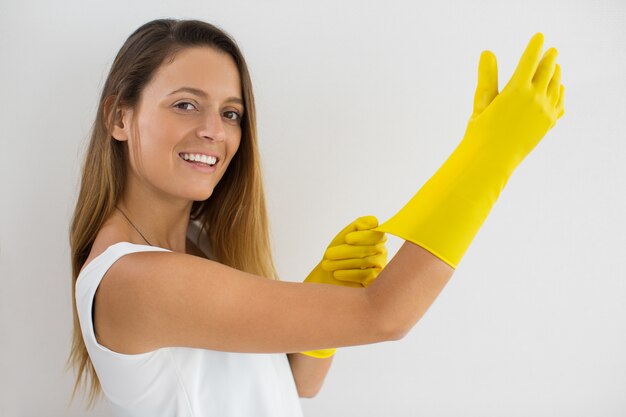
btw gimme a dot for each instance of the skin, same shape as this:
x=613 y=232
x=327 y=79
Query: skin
x=160 y=187
x=309 y=373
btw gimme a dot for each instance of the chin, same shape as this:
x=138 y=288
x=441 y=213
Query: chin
x=202 y=196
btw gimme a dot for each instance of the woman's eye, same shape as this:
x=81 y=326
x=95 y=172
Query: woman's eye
x=183 y=103
x=236 y=118
x=230 y=115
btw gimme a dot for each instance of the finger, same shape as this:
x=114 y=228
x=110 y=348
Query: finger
x=487 y=87
x=355 y=276
x=560 y=106
x=559 y=109
x=354 y=263
x=530 y=59
x=361 y=223
x=354 y=251
x=363 y=277
x=370 y=276
x=366 y=222
x=349 y=279
x=378 y=260
x=555 y=85
x=350 y=251
x=365 y=237
x=545 y=69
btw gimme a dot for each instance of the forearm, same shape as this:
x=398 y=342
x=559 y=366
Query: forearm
x=308 y=372
x=407 y=287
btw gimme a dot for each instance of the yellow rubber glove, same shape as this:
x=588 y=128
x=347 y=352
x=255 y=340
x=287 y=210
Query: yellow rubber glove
x=447 y=212
x=354 y=258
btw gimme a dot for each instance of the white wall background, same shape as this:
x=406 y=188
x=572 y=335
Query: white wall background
x=359 y=103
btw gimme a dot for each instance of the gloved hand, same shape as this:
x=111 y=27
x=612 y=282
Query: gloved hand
x=354 y=258
x=447 y=212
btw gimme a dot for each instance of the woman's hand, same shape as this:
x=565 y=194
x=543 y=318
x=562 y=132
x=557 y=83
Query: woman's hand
x=509 y=124
x=354 y=258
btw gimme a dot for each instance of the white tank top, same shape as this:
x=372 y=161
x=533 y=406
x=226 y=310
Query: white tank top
x=182 y=381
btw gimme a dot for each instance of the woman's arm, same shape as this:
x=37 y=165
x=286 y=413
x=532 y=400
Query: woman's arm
x=408 y=286
x=309 y=373
x=149 y=300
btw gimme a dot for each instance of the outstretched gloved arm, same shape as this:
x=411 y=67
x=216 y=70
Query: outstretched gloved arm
x=447 y=212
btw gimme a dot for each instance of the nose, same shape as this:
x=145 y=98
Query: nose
x=213 y=127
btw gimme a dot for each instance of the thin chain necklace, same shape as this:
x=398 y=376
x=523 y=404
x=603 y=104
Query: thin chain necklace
x=131 y=223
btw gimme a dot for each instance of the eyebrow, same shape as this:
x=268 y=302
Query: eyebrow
x=201 y=93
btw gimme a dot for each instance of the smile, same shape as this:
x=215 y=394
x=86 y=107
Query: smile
x=207 y=160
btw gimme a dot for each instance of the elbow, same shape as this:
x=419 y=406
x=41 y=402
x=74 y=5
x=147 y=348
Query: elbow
x=390 y=324
x=388 y=321
x=392 y=330
x=399 y=334
x=308 y=393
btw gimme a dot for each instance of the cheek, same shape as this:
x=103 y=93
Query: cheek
x=158 y=138
x=232 y=154
x=234 y=145
x=232 y=148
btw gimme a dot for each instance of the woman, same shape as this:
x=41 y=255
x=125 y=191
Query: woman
x=168 y=327
x=145 y=188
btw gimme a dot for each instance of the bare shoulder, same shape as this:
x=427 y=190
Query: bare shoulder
x=114 y=231
x=110 y=233
x=107 y=334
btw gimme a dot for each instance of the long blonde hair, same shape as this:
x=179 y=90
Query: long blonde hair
x=235 y=216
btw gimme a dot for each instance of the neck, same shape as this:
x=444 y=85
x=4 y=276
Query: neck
x=163 y=221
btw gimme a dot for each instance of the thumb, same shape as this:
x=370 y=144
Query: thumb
x=362 y=223
x=487 y=88
x=366 y=222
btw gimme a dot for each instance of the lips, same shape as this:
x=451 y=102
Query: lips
x=201 y=166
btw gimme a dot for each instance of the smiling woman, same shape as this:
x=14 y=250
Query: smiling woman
x=171 y=257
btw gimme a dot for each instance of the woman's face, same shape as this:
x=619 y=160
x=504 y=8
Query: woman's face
x=175 y=124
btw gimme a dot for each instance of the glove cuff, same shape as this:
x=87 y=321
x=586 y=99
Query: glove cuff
x=444 y=216
x=321 y=354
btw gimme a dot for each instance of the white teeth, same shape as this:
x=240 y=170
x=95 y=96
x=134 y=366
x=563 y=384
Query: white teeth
x=205 y=159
